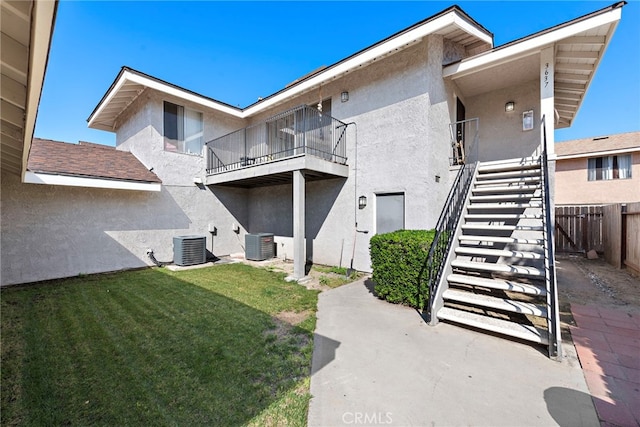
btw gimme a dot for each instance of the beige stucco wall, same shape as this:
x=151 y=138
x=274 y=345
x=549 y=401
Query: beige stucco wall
x=501 y=134
x=50 y=231
x=574 y=188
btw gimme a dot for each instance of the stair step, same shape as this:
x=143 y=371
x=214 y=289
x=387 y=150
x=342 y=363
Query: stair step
x=490 y=167
x=485 y=177
x=492 y=206
x=506 y=189
x=493 y=302
x=508 y=181
x=473 y=226
x=498 y=239
x=504 y=327
x=501 y=217
x=498 y=268
x=503 y=197
x=512 y=161
x=498 y=284
x=484 y=252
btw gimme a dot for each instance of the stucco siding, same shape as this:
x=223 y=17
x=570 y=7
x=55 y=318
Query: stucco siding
x=398 y=112
x=501 y=135
x=574 y=188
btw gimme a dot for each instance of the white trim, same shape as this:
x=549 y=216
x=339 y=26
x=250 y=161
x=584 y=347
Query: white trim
x=359 y=60
x=599 y=153
x=527 y=47
x=75 y=181
x=182 y=94
x=42 y=22
x=369 y=56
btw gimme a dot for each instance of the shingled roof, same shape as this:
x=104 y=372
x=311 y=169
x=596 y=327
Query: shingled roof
x=629 y=141
x=87 y=160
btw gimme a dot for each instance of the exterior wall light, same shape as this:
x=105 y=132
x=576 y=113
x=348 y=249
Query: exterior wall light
x=509 y=106
x=362 y=202
x=344 y=96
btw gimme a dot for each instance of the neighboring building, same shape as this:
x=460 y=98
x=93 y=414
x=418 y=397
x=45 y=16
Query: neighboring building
x=598 y=171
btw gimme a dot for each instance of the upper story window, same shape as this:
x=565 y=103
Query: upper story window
x=182 y=129
x=609 y=167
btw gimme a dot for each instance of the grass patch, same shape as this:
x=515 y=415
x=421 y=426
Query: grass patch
x=153 y=347
x=334 y=277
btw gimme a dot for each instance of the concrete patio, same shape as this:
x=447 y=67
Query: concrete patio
x=376 y=363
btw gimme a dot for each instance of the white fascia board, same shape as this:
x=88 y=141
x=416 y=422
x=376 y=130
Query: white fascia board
x=161 y=87
x=527 y=47
x=121 y=81
x=187 y=96
x=369 y=56
x=42 y=23
x=451 y=18
x=599 y=153
x=74 y=181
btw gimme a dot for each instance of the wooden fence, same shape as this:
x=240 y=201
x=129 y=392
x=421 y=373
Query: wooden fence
x=621 y=227
x=579 y=228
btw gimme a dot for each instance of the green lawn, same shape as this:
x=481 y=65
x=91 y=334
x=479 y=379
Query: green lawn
x=152 y=347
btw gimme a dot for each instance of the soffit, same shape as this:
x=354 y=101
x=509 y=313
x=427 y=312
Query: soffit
x=578 y=45
x=15 y=24
x=25 y=31
x=126 y=93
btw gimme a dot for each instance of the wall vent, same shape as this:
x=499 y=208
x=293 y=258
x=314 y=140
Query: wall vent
x=189 y=250
x=258 y=247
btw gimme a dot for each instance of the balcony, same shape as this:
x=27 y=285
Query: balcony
x=265 y=153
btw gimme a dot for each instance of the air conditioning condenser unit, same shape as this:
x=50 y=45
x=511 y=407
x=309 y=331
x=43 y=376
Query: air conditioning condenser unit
x=189 y=250
x=258 y=247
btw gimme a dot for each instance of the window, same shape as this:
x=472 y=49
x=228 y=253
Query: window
x=389 y=212
x=182 y=129
x=609 y=167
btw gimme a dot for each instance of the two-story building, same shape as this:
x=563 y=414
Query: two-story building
x=370 y=144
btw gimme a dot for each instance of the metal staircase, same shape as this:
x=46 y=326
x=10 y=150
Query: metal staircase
x=496 y=270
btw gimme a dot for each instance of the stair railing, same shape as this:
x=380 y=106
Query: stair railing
x=553 y=316
x=433 y=266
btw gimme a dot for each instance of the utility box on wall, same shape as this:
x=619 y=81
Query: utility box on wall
x=258 y=247
x=189 y=250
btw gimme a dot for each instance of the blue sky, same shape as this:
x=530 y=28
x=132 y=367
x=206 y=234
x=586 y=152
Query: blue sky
x=238 y=51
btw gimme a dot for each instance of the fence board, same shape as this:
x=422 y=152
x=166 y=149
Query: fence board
x=612 y=234
x=579 y=228
x=632 y=236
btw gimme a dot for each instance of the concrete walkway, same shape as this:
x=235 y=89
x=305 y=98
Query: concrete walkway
x=608 y=345
x=375 y=363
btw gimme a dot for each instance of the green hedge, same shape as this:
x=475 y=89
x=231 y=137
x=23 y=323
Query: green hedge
x=397 y=259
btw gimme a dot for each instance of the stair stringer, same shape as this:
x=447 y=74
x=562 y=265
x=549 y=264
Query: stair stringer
x=443 y=284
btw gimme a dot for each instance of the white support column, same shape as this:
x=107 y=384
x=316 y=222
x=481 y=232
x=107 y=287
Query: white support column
x=299 y=259
x=547 y=108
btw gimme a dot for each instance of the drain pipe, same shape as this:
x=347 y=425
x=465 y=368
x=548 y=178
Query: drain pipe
x=153 y=259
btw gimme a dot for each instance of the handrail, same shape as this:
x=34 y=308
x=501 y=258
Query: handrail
x=553 y=320
x=447 y=223
x=299 y=130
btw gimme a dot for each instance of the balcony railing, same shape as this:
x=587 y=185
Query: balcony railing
x=300 y=131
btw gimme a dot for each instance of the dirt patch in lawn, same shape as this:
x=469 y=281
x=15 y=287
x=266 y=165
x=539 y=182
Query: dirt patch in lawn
x=293 y=318
x=318 y=277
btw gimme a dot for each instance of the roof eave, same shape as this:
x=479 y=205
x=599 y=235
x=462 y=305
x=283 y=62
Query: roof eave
x=534 y=43
x=89 y=182
x=451 y=16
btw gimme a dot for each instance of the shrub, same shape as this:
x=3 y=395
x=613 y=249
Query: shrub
x=397 y=259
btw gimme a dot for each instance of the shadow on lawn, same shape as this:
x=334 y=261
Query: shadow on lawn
x=141 y=348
